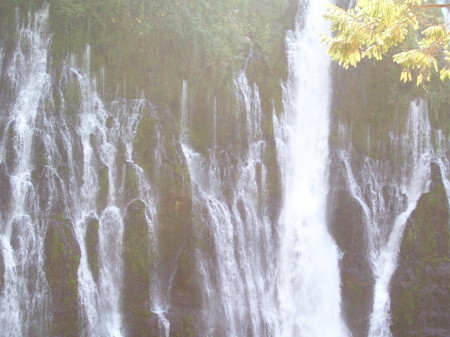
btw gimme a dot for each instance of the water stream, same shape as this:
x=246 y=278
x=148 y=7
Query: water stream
x=308 y=277
x=68 y=159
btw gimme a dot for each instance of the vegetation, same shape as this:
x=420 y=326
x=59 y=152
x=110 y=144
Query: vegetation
x=150 y=46
x=372 y=28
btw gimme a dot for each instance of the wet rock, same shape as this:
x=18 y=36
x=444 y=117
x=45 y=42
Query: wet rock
x=185 y=324
x=103 y=183
x=347 y=227
x=92 y=246
x=420 y=288
x=5 y=192
x=185 y=289
x=62 y=258
x=137 y=261
x=131 y=190
x=2 y=271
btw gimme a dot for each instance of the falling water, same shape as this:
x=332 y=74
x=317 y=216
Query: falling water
x=309 y=280
x=443 y=160
x=387 y=196
x=237 y=274
x=40 y=150
x=25 y=295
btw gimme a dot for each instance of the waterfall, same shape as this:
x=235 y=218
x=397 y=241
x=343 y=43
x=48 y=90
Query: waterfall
x=61 y=160
x=238 y=271
x=127 y=217
x=388 y=195
x=25 y=294
x=308 y=277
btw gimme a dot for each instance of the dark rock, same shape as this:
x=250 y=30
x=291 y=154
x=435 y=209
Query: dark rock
x=420 y=288
x=347 y=227
x=184 y=324
x=137 y=262
x=2 y=271
x=5 y=192
x=103 y=183
x=185 y=289
x=62 y=258
x=92 y=246
x=131 y=190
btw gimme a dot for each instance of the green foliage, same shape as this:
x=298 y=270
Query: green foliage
x=373 y=27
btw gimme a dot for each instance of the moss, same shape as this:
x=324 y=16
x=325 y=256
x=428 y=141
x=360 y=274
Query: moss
x=2 y=272
x=186 y=287
x=62 y=258
x=131 y=183
x=184 y=328
x=103 y=184
x=72 y=97
x=371 y=102
x=137 y=262
x=92 y=242
x=419 y=285
x=145 y=143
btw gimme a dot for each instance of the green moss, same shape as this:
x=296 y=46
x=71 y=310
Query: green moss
x=92 y=242
x=185 y=327
x=2 y=272
x=62 y=258
x=418 y=284
x=145 y=143
x=137 y=259
x=72 y=97
x=103 y=184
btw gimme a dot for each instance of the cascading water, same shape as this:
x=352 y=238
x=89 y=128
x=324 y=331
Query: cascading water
x=385 y=193
x=25 y=295
x=73 y=169
x=40 y=150
x=238 y=274
x=308 y=277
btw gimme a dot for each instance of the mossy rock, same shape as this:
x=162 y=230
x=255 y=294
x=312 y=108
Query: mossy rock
x=137 y=263
x=103 y=191
x=184 y=327
x=92 y=246
x=347 y=228
x=2 y=271
x=10 y=154
x=72 y=97
x=371 y=103
x=62 y=259
x=145 y=143
x=174 y=226
x=5 y=192
x=186 y=290
x=131 y=182
x=39 y=154
x=420 y=291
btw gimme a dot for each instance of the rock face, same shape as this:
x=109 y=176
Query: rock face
x=5 y=192
x=61 y=265
x=2 y=271
x=420 y=289
x=92 y=246
x=347 y=228
x=136 y=243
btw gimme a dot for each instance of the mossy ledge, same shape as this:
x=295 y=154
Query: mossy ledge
x=137 y=263
x=62 y=258
x=420 y=290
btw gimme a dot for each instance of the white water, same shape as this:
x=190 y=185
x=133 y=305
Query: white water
x=237 y=275
x=250 y=288
x=308 y=276
x=67 y=186
x=25 y=295
x=387 y=195
x=443 y=160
